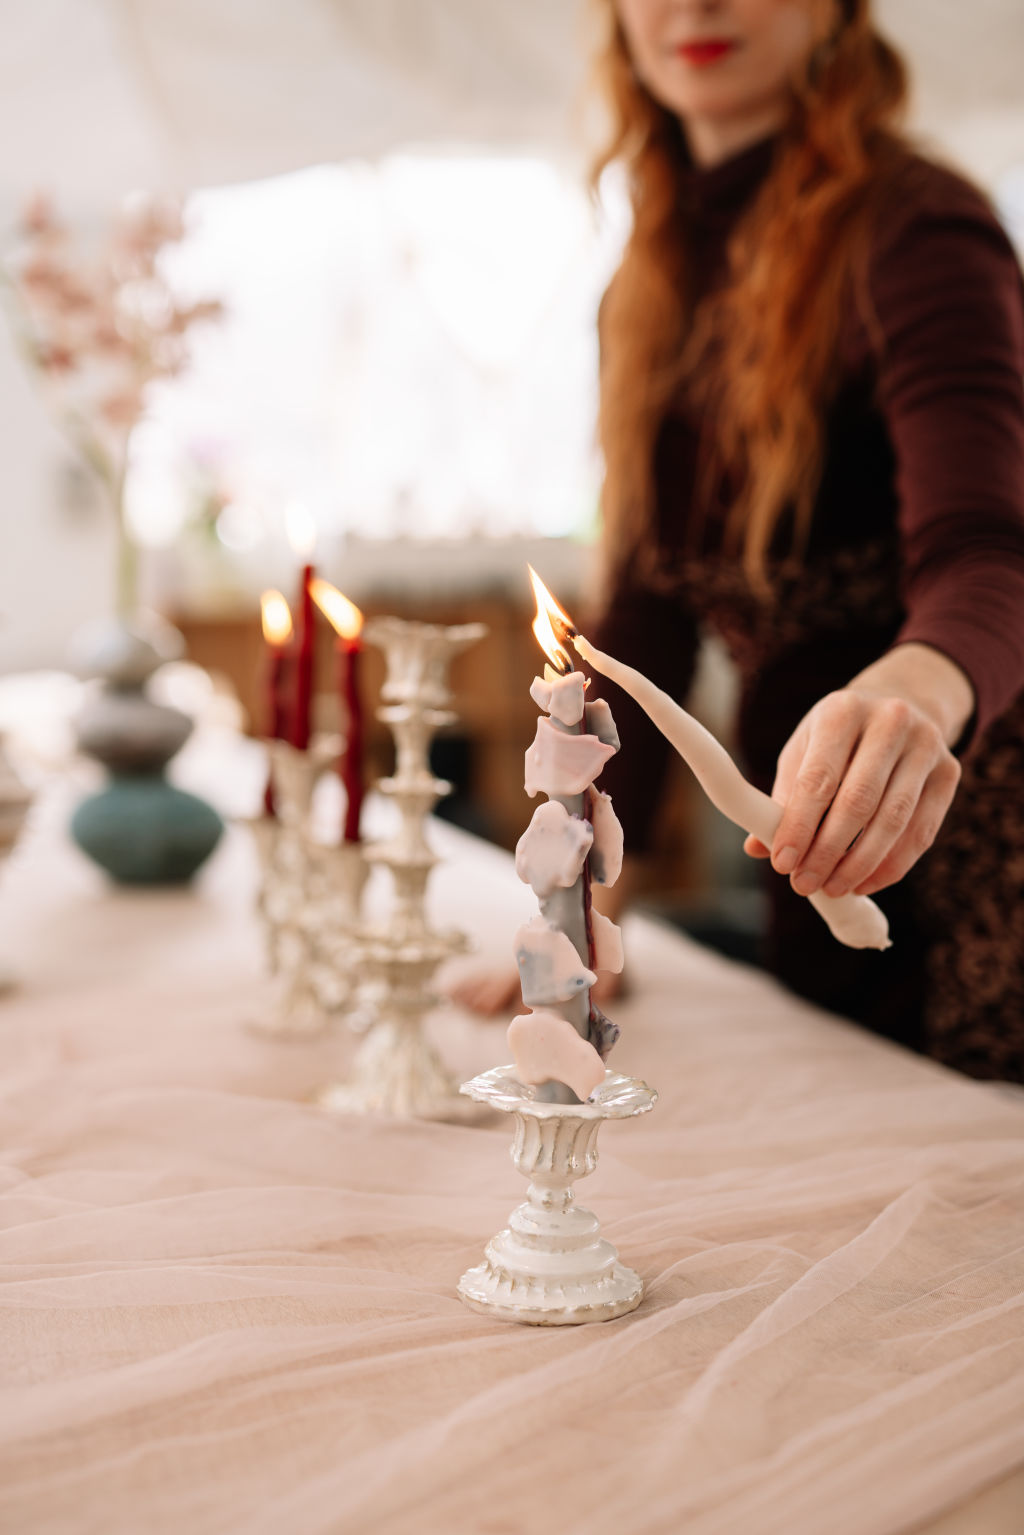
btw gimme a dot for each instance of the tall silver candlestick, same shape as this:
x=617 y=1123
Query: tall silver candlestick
x=396 y=1069
x=309 y=899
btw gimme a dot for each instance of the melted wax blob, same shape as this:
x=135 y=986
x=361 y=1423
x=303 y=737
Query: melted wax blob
x=553 y=849
x=548 y=1049
x=549 y=967
x=606 y=853
x=563 y=765
x=561 y=697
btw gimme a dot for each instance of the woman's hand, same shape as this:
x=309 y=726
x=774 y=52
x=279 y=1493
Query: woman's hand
x=867 y=777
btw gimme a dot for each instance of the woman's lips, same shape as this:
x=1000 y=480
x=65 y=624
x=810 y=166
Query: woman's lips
x=707 y=52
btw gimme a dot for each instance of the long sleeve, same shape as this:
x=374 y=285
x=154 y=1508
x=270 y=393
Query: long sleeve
x=947 y=292
x=658 y=635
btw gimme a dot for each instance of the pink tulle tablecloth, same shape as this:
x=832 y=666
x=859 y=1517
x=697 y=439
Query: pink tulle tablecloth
x=224 y=1311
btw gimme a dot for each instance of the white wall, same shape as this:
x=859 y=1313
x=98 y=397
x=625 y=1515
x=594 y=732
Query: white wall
x=56 y=550
x=92 y=93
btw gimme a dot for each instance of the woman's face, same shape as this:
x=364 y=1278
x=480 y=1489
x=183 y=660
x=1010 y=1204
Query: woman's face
x=719 y=63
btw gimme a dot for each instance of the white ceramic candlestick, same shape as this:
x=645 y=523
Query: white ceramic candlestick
x=854 y=919
x=551 y=1266
x=396 y=1070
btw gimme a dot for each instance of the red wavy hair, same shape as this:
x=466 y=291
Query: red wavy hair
x=759 y=357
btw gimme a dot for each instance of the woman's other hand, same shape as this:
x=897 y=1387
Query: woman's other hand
x=867 y=777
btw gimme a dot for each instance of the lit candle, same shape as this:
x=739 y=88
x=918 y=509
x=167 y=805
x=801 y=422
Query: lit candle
x=277 y=631
x=347 y=622
x=301 y=530
x=854 y=919
x=560 y=1045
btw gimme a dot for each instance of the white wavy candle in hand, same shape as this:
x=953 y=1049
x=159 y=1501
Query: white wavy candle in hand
x=854 y=919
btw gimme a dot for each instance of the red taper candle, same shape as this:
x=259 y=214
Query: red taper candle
x=347 y=622
x=302 y=693
x=277 y=631
x=301 y=530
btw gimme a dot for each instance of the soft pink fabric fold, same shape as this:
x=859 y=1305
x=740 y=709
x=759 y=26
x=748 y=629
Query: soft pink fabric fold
x=221 y=1310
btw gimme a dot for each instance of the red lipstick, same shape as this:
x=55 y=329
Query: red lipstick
x=707 y=51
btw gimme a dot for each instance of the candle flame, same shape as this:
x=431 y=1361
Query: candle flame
x=344 y=615
x=300 y=526
x=276 y=618
x=552 y=626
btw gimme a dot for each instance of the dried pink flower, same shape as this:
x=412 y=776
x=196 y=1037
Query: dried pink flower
x=107 y=316
x=122 y=409
x=57 y=359
x=37 y=215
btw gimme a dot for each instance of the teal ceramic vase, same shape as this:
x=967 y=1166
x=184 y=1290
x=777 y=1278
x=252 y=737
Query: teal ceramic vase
x=140 y=828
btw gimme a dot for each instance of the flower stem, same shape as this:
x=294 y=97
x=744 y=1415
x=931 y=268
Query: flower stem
x=126 y=590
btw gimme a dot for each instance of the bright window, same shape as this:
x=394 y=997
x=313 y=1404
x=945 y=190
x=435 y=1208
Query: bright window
x=409 y=349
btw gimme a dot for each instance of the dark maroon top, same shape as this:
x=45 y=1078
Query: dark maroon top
x=918 y=531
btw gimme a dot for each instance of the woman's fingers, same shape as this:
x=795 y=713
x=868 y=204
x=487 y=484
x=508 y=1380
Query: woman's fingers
x=790 y=758
x=869 y=784
x=905 y=806
x=832 y=730
x=919 y=835
x=866 y=792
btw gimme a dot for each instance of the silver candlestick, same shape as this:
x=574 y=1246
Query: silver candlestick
x=396 y=1070
x=309 y=899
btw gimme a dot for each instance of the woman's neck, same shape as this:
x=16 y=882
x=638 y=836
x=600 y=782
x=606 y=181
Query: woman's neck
x=712 y=140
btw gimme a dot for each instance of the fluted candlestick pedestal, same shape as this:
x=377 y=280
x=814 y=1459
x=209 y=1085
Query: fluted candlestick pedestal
x=551 y=1267
x=396 y=1069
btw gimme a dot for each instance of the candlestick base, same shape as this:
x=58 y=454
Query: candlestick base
x=395 y=1072
x=551 y=1267
x=396 y=1069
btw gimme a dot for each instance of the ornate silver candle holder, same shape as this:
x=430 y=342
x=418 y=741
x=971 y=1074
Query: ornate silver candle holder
x=272 y=892
x=397 y=1070
x=550 y=1266
x=309 y=899
x=338 y=874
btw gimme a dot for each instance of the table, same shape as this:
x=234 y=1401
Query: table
x=222 y=1310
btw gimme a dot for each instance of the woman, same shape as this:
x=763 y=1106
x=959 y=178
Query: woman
x=812 y=419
